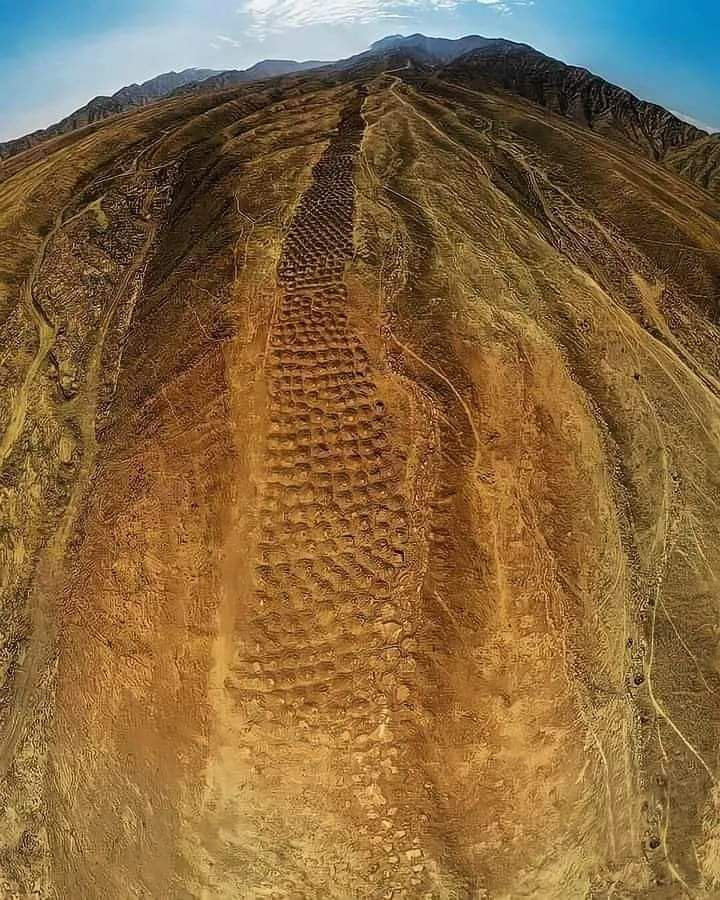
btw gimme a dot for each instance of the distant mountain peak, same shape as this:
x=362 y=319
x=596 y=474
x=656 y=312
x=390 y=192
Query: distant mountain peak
x=575 y=93
x=161 y=86
x=390 y=41
x=439 y=49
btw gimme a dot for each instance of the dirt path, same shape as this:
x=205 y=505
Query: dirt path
x=46 y=339
x=476 y=161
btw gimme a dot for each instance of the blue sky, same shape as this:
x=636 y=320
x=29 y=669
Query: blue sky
x=56 y=55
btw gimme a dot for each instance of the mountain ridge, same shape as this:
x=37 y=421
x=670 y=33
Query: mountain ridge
x=577 y=93
x=572 y=91
x=102 y=106
x=265 y=68
x=156 y=88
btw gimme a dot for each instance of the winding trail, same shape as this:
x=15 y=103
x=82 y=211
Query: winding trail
x=456 y=393
x=46 y=339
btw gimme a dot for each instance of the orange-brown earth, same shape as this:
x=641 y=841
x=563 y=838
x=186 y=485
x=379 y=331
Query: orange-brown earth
x=359 y=502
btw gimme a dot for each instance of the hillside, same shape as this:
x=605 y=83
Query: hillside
x=359 y=473
x=135 y=95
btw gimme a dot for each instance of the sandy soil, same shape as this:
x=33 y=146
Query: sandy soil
x=359 y=504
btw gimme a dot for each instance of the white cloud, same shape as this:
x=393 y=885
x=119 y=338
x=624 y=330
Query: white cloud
x=227 y=40
x=272 y=16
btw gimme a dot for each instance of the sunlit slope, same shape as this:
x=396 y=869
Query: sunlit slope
x=359 y=519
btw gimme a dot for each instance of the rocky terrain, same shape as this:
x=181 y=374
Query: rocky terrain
x=359 y=479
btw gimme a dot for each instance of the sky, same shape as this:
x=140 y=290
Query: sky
x=57 y=55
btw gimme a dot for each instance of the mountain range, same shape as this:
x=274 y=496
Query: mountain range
x=568 y=90
x=101 y=107
x=165 y=85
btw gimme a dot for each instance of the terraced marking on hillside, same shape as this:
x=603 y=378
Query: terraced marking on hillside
x=330 y=645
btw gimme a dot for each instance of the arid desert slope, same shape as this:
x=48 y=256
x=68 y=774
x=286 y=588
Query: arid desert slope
x=359 y=499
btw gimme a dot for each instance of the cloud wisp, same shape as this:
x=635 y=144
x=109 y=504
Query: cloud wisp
x=230 y=42
x=273 y=16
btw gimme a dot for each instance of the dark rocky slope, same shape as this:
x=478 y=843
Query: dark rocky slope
x=576 y=93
